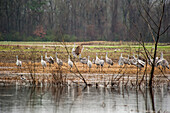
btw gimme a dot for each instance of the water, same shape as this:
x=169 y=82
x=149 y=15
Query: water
x=66 y=99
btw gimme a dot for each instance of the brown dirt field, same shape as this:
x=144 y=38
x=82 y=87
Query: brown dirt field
x=26 y=54
x=115 y=69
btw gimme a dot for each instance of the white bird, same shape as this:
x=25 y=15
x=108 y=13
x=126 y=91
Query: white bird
x=121 y=61
x=18 y=62
x=83 y=60
x=70 y=63
x=89 y=63
x=97 y=61
x=59 y=61
x=108 y=60
x=73 y=52
x=101 y=62
x=50 y=59
x=43 y=63
x=163 y=62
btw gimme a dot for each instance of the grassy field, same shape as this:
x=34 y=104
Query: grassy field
x=32 y=51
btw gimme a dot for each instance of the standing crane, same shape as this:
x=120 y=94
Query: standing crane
x=97 y=61
x=93 y=61
x=132 y=59
x=138 y=63
x=18 y=62
x=50 y=59
x=73 y=52
x=83 y=60
x=89 y=63
x=126 y=60
x=150 y=61
x=101 y=63
x=163 y=62
x=70 y=63
x=59 y=61
x=121 y=60
x=43 y=63
x=108 y=60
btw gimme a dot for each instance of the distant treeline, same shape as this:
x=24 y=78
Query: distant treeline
x=80 y=20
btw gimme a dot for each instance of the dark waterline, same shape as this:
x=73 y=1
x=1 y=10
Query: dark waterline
x=66 y=99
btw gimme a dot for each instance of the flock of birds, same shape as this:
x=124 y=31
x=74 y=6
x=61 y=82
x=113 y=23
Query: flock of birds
x=140 y=62
x=136 y=61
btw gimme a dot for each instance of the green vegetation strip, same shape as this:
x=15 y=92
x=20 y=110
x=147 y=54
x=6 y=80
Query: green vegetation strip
x=125 y=46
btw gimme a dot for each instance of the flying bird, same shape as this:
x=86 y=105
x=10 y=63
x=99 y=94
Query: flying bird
x=79 y=49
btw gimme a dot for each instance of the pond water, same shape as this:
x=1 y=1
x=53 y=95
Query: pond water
x=74 y=99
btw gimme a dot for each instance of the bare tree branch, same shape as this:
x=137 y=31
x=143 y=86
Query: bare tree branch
x=147 y=22
x=165 y=30
x=140 y=42
x=156 y=44
x=81 y=76
x=150 y=30
x=149 y=15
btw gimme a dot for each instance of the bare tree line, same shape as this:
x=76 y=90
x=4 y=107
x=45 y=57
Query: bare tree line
x=78 y=20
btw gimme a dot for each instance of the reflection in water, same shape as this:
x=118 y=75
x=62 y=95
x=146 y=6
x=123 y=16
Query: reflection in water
x=66 y=99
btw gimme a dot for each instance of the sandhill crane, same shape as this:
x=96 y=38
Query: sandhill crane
x=83 y=60
x=141 y=58
x=126 y=60
x=18 y=62
x=101 y=63
x=121 y=61
x=59 y=61
x=79 y=49
x=82 y=49
x=108 y=60
x=43 y=63
x=93 y=61
x=138 y=63
x=50 y=59
x=73 y=52
x=132 y=59
x=97 y=61
x=70 y=63
x=141 y=61
x=150 y=61
x=89 y=63
x=163 y=62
